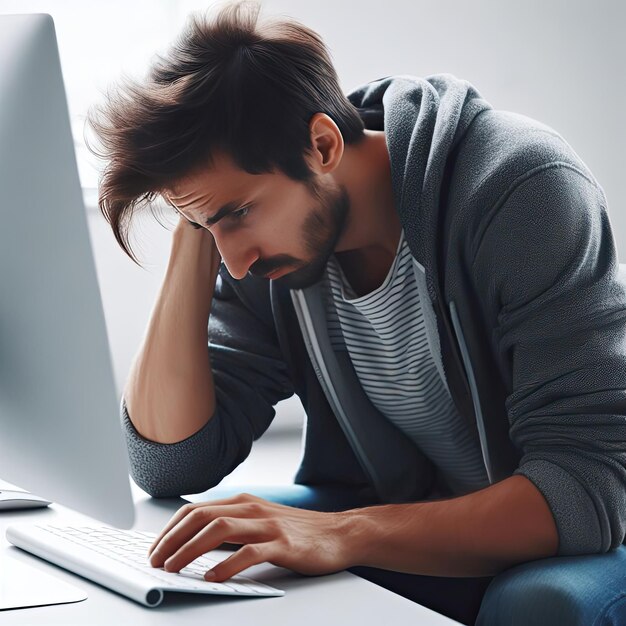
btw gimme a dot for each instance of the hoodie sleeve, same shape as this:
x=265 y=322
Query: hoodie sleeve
x=547 y=272
x=250 y=377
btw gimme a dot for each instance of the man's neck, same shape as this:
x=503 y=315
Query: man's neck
x=368 y=247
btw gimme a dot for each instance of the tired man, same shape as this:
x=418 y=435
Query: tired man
x=435 y=279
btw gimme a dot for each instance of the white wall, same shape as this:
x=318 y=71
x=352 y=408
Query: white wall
x=560 y=62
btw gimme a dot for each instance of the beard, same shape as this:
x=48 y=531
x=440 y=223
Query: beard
x=321 y=232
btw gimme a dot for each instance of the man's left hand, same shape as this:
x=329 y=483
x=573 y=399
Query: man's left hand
x=307 y=542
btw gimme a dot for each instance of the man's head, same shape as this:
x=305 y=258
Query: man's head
x=236 y=111
x=268 y=224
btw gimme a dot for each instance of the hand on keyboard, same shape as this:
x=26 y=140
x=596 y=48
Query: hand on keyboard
x=117 y=559
x=308 y=542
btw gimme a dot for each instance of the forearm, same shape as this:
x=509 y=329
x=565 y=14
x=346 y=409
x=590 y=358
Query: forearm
x=478 y=534
x=170 y=393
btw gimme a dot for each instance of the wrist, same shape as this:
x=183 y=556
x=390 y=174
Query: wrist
x=358 y=531
x=195 y=248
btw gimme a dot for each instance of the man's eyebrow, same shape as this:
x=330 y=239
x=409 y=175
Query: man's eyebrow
x=229 y=207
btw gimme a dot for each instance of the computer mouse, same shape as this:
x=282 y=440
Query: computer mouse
x=11 y=500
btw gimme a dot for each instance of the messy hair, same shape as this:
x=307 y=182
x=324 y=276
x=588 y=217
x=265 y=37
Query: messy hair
x=231 y=84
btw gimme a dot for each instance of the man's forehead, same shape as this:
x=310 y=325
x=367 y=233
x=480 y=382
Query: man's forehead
x=208 y=196
x=221 y=178
x=182 y=196
x=191 y=184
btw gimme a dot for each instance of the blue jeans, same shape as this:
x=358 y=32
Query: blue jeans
x=585 y=590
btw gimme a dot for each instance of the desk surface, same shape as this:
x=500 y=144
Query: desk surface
x=340 y=598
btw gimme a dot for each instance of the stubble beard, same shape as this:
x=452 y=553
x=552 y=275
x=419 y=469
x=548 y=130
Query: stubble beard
x=321 y=232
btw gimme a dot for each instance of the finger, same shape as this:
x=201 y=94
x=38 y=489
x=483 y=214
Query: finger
x=220 y=530
x=188 y=508
x=247 y=556
x=177 y=517
x=197 y=519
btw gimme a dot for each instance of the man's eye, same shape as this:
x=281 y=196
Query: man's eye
x=240 y=213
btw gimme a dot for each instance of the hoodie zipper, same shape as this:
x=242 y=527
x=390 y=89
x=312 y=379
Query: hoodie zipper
x=482 y=435
x=317 y=360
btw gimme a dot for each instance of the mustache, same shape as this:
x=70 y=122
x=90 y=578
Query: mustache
x=262 y=267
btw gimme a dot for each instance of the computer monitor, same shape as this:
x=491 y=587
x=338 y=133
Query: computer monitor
x=60 y=433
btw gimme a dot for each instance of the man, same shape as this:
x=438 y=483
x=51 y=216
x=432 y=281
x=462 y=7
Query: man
x=435 y=279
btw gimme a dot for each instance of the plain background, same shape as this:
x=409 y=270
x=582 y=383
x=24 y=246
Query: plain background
x=560 y=62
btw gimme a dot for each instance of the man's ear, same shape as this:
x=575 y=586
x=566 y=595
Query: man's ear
x=326 y=144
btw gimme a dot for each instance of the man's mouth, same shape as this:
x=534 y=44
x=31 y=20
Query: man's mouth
x=277 y=273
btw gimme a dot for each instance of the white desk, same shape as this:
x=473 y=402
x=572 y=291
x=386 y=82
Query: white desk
x=342 y=599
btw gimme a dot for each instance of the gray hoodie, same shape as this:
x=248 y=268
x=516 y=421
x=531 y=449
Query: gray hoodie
x=530 y=309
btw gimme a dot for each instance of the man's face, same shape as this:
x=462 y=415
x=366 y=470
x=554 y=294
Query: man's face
x=265 y=224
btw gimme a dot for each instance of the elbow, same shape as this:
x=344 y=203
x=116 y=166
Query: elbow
x=589 y=515
x=172 y=470
x=173 y=477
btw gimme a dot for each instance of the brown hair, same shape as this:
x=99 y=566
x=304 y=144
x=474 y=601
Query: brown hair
x=229 y=83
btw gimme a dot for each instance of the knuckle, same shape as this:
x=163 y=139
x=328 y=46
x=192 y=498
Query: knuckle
x=207 y=514
x=251 y=550
x=289 y=546
x=194 y=513
x=198 y=515
x=254 y=509
x=248 y=497
x=222 y=523
x=275 y=525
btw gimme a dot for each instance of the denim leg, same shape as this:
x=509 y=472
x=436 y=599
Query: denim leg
x=587 y=590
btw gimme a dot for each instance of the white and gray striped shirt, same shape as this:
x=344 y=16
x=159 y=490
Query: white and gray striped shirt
x=392 y=350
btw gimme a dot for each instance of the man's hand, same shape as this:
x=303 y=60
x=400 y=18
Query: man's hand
x=307 y=542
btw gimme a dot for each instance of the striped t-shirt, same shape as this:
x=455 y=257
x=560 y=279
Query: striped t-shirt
x=392 y=351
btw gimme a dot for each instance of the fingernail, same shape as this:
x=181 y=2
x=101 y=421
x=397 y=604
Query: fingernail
x=210 y=575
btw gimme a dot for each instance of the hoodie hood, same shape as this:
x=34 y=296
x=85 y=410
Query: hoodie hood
x=424 y=120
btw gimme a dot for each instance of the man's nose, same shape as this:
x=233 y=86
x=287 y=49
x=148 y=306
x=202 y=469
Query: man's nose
x=237 y=256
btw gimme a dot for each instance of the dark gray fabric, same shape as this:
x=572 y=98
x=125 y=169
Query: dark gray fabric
x=563 y=332
x=513 y=229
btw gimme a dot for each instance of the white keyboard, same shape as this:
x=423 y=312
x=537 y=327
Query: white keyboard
x=118 y=560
